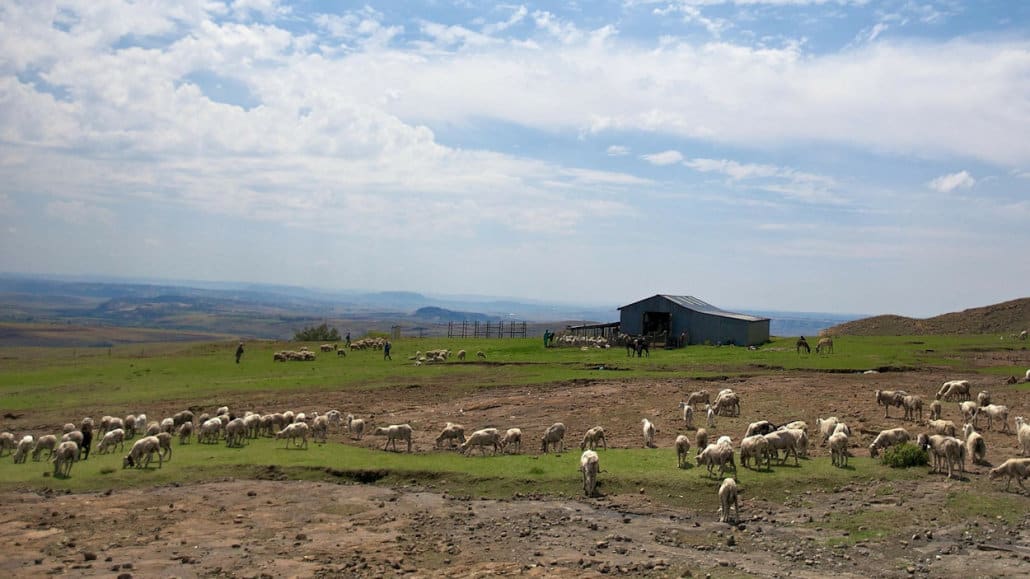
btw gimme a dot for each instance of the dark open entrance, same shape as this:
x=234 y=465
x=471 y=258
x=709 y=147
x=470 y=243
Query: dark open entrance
x=657 y=323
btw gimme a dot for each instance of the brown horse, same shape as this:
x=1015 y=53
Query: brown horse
x=802 y=344
x=824 y=344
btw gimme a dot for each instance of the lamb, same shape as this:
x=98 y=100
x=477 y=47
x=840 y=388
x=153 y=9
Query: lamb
x=976 y=447
x=461 y=354
x=755 y=447
x=727 y=499
x=716 y=454
x=1013 y=468
x=954 y=389
x=111 y=438
x=839 y=449
x=355 y=426
x=701 y=439
x=592 y=438
x=682 y=448
x=185 y=432
x=66 y=455
x=6 y=442
x=945 y=450
x=291 y=432
x=996 y=412
x=983 y=398
x=512 y=437
x=1023 y=435
x=911 y=404
x=935 y=410
x=589 y=465
x=688 y=415
x=968 y=410
x=649 y=430
x=451 y=432
x=710 y=412
x=164 y=442
x=889 y=398
x=553 y=436
x=785 y=440
x=235 y=433
x=701 y=396
x=942 y=427
x=888 y=438
x=24 y=446
x=47 y=443
x=402 y=432
x=826 y=427
x=142 y=453
x=761 y=427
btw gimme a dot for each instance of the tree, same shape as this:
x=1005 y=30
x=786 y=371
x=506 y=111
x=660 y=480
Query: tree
x=321 y=333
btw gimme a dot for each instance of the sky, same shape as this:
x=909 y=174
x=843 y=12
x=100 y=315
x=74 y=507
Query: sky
x=850 y=156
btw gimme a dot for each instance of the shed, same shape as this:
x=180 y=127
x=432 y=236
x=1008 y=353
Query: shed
x=665 y=316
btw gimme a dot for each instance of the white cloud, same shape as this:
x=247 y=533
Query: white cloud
x=787 y=182
x=953 y=181
x=79 y=213
x=617 y=151
x=664 y=158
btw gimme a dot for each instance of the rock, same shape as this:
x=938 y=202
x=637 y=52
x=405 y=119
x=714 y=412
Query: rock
x=731 y=542
x=89 y=556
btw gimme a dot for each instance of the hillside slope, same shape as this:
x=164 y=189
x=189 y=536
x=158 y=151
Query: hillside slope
x=1006 y=317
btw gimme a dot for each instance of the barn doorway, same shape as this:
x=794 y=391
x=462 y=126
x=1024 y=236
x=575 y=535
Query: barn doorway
x=657 y=325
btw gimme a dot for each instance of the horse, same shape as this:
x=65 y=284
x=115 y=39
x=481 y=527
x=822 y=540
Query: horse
x=802 y=344
x=640 y=347
x=824 y=344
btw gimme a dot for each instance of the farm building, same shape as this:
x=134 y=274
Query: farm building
x=664 y=316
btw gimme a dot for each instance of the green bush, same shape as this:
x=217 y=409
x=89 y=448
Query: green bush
x=321 y=333
x=904 y=456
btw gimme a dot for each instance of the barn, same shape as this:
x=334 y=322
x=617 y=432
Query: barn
x=665 y=316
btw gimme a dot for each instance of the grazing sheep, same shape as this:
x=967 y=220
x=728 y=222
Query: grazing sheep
x=688 y=415
x=946 y=450
x=592 y=438
x=235 y=433
x=451 y=432
x=795 y=425
x=461 y=354
x=111 y=438
x=553 y=436
x=842 y=428
x=699 y=397
x=839 y=449
x=889 y=398
x=47 y=443
x=957 y=389
x=755 y=446
x=512 y=437
x=911 y=404
x=996 y=412
x=785 y=440
x=649 y=430
x=152 y=429
x=589 y=465
x=1023 y=435
x=935 y=410
x=826 y=427
x=74 y=436
x=142 y=452
x=130 y=426
x=210 y=431
x=66 y=455
x=701 y=439
x=968 y=411
x=682 y=448
x=983 y=398
x=222 y=411
x=180 y=418
x=481 y=354
x=396 y=432
x=335 y=417
x=727 y=403
x=168 y=425
x=23 y=448
x=355 y=426
x=976 y=447
x=710 y=415
x=164 y=442
x=291 y=432
x=942 y=427
x=482 y=438
x=727 y=499
x=716 y=455
x=68 y=427
x=1013 y=468
x=252 y=424
x=761 y=427
x=185 y=432
x=320 y=428
x=6 y=442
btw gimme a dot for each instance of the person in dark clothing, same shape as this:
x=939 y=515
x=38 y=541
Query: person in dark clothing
x=239 y=352
x=386 y=351
x=348 y=339
x=87 y=439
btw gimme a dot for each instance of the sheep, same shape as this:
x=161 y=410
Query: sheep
x=47 y=443
x=68 y=427
x=1023 y=435
x=399 y=431
x=888 y=438
x=795 y=425
x=481 y=438
x=355 y=426
x=785 y=440
x=320 y=428
x=592 y=438
x=1013 y=468
x=185 y=432
x=204 y=417
x=252 y=424
x=130 y=426
x=889 y=398
x=996 y=412
x=152 y=429
x=179 y=418
x=209 y=431
x=755 y=447
x=461 y=355
x=512 y=437
x=682 y=448
x=649 y=430
x=111 y=438
x=481 y=354
x=716 y=454
x=760 y=427
x=235 y=433
x=710 y=414
x=701 y=439
x=968 y=411
x=839 y=449
x=701 y=396
x=976 y=447
x=74 y=436
x=727 y=499
x=451 y=432
x=954 y=389
x=727 y=404
x=935 y=410
x=142 y=453
x=66 y=455
x=23 y=448
x=983 y=398
x=942 y=427
x=826 y=427
x=168 y=425
x=164 y=442
x=688 y=415
x=911 y=404
x=291 y=432
x=553 y=436
x=946 y=450
x=335 y=417
x=589 y=465
x=6 y=442
x=222 y=410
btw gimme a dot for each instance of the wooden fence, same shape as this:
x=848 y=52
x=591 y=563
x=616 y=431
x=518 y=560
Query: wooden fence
x=475 y=329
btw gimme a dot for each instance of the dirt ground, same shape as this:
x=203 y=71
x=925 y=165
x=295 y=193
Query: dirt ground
x=249 y=528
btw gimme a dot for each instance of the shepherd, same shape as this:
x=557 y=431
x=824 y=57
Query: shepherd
x=239 y=352
x=802 y=344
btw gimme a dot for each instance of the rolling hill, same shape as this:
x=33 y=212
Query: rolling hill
x=1006 y=317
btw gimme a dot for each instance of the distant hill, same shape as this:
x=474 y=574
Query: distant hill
x=1007 y=317
x=435 y=314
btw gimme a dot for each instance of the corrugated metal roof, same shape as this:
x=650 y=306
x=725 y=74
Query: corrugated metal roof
x=692 y=303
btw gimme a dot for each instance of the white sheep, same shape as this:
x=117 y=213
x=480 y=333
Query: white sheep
x=48 y=443
x=785 y=440
x=716 y=455
x=320 y=428
x=185 y=432
x=983 y=398
x=728 y=499
x=996 y=412
x=65 y=455
x=649 y=430
x=889 y=398
x=755 y=446
x=482 y=438
x=968 y=411
x=291 y=432
x=74 y=436
x=68 y=427
x=512 y=437
x=699 y=397
x=888 y=438
x=727 y=403
x=911 y=404
x=355 y=426
x=111 y=438
x=946 y=450
x=688 y=415
x=179 y=418
x=1013 y=468
x=461 y=354
x=7 y=442
x=976 y=447
x=838 y=442
x=682 y=448
x=164 y=442
x=252 y=424
x=451 y=432
x=761 y=427
x=942 y=427
x=842 y=428
x=710 y=415
x=142 y=452
x=152 y=429
x=21 y=452
x=701 y=439
x=130 y=426
x=826 y=427
x=553 y=437
x=958 y=389
x=168 y=425
x=235 y=433
x=222 y=411
x=589 y=465
x=395 y=432
x=1023 y=435
x=795 y=425
x=935 y=410
x=209 y=431
x=593 y=438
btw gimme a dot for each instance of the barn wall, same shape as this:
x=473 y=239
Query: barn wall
x=700 y=326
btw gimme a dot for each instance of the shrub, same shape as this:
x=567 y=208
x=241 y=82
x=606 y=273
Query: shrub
x=321 y=333
x=904 y=456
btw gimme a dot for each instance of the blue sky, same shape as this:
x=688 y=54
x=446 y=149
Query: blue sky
x=821 y=155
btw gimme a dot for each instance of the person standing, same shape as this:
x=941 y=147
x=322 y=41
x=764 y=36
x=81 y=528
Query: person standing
x=386 y=351
x=239 y=352
x=348 y=339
